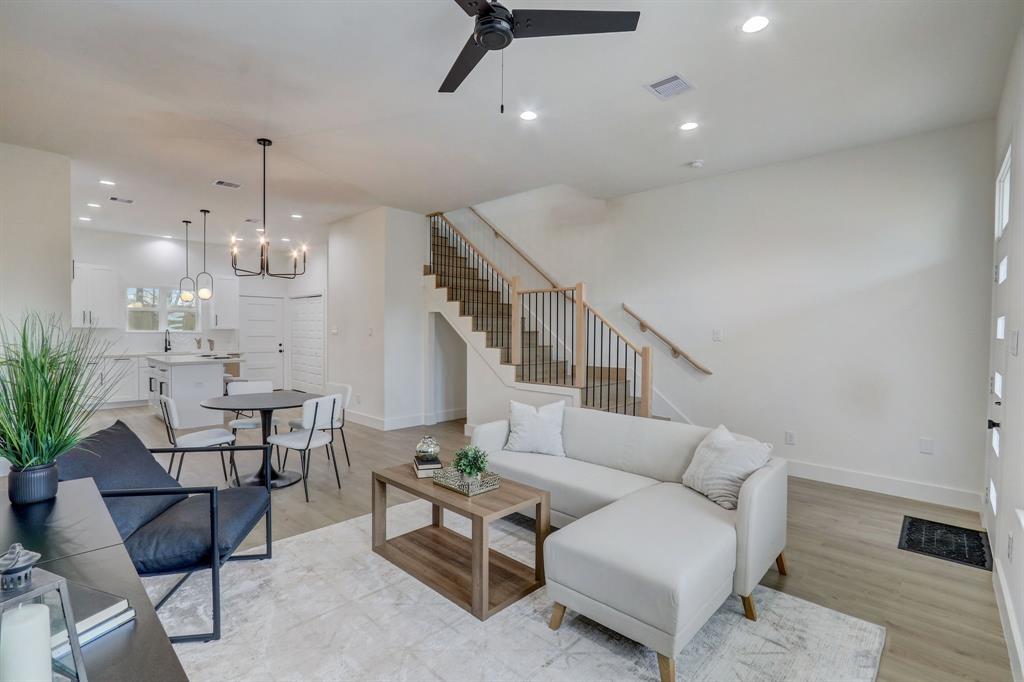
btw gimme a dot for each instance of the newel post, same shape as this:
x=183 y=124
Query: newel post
x=580 y=357
x=516 y=342
x=647 y=381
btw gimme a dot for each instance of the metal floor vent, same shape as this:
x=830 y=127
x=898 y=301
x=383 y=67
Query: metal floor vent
x=669 y=87
x=942 y=541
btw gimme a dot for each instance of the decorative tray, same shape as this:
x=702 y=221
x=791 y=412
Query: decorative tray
x=451 y=478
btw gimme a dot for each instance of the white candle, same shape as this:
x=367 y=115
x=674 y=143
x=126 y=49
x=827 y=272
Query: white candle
x=25 y=644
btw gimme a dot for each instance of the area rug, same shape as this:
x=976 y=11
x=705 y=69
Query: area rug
x=327 y=608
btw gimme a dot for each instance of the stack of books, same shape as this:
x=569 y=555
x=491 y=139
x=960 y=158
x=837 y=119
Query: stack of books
x=426 y=466
x=96 y=613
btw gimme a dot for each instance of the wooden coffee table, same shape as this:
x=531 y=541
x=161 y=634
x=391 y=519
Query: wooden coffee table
x=464 y=570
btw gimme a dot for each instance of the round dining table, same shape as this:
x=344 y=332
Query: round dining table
x=265 y=404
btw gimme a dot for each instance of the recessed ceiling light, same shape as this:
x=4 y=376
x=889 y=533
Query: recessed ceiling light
x=93 y=205
x=689 y=125
x=755 y=24
x=238 y=239
x=297 y=216
x=285 y=239
x=108 y=182
x=528 y=115
x=167 y=236
x=84 y=218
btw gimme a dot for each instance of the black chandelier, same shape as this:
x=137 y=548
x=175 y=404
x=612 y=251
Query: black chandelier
x=264 y=264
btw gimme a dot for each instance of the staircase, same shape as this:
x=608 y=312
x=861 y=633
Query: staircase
x=552 y=336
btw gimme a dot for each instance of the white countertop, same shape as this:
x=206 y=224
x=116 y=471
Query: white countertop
x=173 y=353
x=179 y=360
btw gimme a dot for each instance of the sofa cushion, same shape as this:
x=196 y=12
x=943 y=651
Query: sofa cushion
x=577 y=488
x=115 y=459
x=649 y=447
x=657 y=555
x=179 y=539
x=536 y=429
x=721 y=464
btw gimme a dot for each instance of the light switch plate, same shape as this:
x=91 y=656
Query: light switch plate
x=716 y=334
x=790 y=438
x=926 y=446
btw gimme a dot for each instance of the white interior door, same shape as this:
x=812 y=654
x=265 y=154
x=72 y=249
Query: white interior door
x=261 y=338
x=1004 y=461
x=307 y=343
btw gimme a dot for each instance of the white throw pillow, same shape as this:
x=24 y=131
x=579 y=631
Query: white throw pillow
x=532 y=429
x=721 y=464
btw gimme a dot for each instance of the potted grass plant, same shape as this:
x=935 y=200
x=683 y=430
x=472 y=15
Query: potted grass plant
x=51 y=383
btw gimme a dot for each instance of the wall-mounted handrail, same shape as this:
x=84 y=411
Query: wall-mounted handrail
x=515 y=247
x=677 y=352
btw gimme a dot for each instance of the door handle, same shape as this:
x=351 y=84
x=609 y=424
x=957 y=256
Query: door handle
x=90 y=317
x=83 y=317
x=216 y=320
x=992 y=424
x=150 y=384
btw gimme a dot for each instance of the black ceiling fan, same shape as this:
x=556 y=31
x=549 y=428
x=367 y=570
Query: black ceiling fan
x=497 y=26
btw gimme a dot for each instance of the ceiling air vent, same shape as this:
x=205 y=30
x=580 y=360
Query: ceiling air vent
x=669 y=87
x=227 y=183
x=122 y=200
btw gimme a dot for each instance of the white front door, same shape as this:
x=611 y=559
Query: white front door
x=261 y=338
x=1004 y=459
x=307 y=343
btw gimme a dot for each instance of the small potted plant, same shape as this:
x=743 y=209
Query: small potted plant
x=50 y=385
x=471 y=462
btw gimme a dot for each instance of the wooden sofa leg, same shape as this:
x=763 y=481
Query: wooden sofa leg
x=748 y=608
x=780 y=563
x=667 y=668
x=556 y=616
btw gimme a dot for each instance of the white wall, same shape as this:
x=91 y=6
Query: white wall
x=446 y=378
x=355 y=313
x=35 y=237
x=852 y=290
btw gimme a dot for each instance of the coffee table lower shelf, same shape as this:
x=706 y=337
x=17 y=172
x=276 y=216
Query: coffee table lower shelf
x=443 y=560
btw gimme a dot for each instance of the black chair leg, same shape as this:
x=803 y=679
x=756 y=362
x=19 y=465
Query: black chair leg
x=344 y=444
x=170 y=464
x=234 y=470
x=333 y=456
x=181 y=460
x=304 y=464
x=285 y=459
x=224 y=467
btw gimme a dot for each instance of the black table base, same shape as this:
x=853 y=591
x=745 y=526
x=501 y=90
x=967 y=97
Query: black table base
x=278 y=479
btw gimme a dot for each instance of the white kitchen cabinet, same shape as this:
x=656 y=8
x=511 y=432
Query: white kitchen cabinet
x=223 y=307
x=95 y=297
x=124 y=371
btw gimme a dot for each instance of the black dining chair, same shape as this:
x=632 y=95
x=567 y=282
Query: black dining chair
x=169 y=529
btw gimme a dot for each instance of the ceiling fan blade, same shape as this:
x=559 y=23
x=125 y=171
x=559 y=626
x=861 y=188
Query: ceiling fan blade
x=469 y=57
x=538 y=23
x=475 y=7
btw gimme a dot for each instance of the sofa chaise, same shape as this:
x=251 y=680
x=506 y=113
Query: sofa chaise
x=637 y=551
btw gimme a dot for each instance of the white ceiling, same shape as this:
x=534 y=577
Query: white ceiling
x=166 y=97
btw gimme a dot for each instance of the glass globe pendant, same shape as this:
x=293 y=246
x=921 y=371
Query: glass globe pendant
x=186 y=285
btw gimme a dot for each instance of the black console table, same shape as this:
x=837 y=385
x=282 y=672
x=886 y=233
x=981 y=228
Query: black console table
x=78 y=540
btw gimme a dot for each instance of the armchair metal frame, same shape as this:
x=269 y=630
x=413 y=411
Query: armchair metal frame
x=216 y=561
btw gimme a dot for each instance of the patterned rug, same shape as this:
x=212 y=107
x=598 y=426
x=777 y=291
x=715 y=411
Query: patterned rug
x=327 y=608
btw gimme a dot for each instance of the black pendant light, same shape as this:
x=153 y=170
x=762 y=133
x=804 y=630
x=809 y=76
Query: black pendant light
x=204 y=289
x=186 y=285
x=264 y=269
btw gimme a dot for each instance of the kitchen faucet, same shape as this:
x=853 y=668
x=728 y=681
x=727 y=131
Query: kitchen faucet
x=167 y=340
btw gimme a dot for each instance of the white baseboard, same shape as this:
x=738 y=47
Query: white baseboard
x=914 y=490
x=449 y=414
x=373 y=421
x=390 y=423
x=1012 y=633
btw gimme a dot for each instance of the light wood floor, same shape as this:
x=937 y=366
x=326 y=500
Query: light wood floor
x=940 y=618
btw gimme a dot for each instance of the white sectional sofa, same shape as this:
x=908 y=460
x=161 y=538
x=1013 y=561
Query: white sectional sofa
x=638 y=551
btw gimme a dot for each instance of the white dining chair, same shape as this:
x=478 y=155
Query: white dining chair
x=345 y=394
x=245 y=387
x=196 y=439
x=318 y=417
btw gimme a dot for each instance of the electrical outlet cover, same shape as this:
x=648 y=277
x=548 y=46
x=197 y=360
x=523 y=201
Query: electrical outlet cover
x=790 y=438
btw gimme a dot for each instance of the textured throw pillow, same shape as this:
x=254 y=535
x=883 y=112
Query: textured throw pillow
x=721 y=464
x=535 y=429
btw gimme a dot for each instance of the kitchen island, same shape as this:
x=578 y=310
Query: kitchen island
x=189 y=380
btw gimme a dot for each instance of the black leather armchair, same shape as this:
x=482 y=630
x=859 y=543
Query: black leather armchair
x=167 y=528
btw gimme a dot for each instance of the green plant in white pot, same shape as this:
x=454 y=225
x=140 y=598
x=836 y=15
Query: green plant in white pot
x=471 y=462
x=50 y=385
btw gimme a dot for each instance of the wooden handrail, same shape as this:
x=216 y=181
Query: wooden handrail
x=558 y=290
x=470 y=244
x=677 y=352
x=522 y=254
x=615 y=329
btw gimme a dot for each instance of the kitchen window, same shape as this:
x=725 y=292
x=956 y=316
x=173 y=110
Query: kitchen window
x=155 y=309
